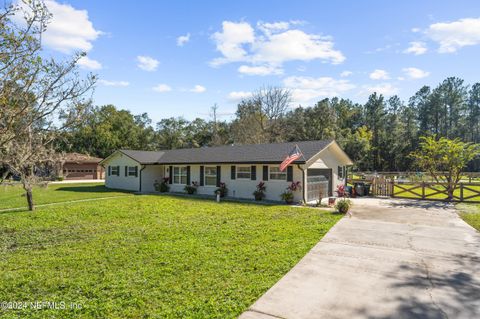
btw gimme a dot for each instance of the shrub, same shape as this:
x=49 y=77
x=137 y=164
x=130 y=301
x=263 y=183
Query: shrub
x=191 y=189
x=163 y=186
x=222 y=190
x=259 y=193
x=343 y=205
x=287 y=196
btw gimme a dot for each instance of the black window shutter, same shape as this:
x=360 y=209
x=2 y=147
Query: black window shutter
x=109 y=170
x=265 y=172
x=136 y=171
x=233 y=172
x=253 y=175
x=170 y=176
x=202 y=175
x=118 y=170
x=219 y=177
x=188 y=175
x=339 y=171
x=126 y=170
x=289 y=173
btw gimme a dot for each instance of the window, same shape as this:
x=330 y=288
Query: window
x=276 y=174
x=114 y=170
x=244 y=172
x=340 y=172
x=132 y=171
x=180 y=175
x=210 y=176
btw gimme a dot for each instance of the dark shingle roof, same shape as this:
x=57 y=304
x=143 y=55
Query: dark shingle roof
x=144 y=157
x=251 y=153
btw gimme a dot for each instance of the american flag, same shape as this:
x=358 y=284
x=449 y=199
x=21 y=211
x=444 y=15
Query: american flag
x=294 y=154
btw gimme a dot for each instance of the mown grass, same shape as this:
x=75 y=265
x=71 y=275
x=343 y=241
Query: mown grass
x=151 y=256
x=12 y=196
x=470 y=213
x=417 y=192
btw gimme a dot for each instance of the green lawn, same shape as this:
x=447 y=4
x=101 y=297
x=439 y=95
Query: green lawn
x=428 y=191
x=151 y=256
x=12 y=196
x=470 y=213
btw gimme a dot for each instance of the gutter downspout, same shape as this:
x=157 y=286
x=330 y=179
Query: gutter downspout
x=304 y=189
x=140 y=186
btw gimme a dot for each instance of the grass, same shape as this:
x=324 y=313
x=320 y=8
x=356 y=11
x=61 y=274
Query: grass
x=11 y=196
x=470 y=213
x=151 y=256
x=417 y=193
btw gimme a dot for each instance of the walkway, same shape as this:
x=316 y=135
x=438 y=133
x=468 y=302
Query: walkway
x=390 y=259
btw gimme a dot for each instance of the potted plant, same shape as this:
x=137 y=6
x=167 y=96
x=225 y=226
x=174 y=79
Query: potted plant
x=222 y=190
x=163 y=186
x=191 y=189
x=341 y=191
x=287 y=196
x=259 y=193
x=343 y=205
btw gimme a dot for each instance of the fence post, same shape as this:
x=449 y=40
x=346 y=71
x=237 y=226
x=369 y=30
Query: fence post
x=393 y=188
x=461 y=192
x=423 y=190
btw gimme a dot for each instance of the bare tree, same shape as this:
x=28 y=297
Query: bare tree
x=264 y=114
x=39 y=97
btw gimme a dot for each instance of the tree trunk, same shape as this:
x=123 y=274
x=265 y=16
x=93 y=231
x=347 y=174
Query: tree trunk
x=31 y=205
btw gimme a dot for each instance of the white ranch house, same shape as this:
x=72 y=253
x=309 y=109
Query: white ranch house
x=241 y=167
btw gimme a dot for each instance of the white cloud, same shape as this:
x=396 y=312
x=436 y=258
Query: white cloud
x=452 y=36
x=183 y=39
x=231 y=40
x=147 y=63
x=276 y=44
x=416 y=48
x=385 y=89
x=415 y=30
x=309 y=89
x=162 y=88
x=259 y=70
x=69 y=29
x=415 y=73
x=114 y=83
x=379 y=74
x=237 y=96
x=345 y=74
x=198 y=89
x=90 y=64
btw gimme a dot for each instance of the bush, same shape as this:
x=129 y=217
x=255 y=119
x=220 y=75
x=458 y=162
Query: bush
x=163 y=186
x=259 y=193
x=287 y=196
x=191 y=189
x=222 y=190
x=343 y=205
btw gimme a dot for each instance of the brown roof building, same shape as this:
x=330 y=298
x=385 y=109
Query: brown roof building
x=82 y=166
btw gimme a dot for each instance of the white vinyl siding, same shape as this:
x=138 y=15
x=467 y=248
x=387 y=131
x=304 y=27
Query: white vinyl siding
x=180 y=175
x=244 y=172
x=210 y=176
x=276 y=175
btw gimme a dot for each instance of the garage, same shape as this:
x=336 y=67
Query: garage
x=319 y=183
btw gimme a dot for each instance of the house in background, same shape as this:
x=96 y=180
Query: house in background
x=320 y=169
x=76 y=166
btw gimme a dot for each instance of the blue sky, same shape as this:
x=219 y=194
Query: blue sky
x=178 y=58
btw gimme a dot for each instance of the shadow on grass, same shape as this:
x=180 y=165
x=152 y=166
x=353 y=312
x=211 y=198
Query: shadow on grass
x=92 y=189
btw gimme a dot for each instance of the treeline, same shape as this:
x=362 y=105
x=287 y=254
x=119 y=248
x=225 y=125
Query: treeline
x=378 y=135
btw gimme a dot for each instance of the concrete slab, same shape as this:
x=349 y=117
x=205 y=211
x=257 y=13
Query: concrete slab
x=390 y=259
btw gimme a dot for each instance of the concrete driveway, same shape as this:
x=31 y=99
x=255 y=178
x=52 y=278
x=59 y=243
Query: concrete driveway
x=390 y=259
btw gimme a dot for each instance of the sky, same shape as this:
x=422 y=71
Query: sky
x=179 y=58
